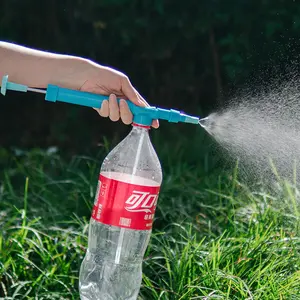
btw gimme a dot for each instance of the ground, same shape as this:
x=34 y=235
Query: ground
x=213 y=236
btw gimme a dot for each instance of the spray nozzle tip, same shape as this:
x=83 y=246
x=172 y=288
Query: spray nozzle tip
x=190 y=119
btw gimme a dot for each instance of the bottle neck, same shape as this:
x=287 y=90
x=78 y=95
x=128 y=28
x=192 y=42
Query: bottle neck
x=140 y=126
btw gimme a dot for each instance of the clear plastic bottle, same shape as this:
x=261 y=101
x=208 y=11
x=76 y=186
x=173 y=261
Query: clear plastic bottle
x=121 y=222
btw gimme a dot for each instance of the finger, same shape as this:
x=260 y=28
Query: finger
x=134 y=92
x=114 y=113
x=155 y=124
x=141 y=99
x=130 y=92
x=126 y=115
x=104 y=111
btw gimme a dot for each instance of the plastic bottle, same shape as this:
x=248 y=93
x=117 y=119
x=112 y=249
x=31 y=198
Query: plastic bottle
x=121 y=222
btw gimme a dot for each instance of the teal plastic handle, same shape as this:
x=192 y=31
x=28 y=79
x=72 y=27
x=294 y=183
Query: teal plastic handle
x=141 y=115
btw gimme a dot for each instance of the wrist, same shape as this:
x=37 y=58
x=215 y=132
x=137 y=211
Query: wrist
x=69 y=71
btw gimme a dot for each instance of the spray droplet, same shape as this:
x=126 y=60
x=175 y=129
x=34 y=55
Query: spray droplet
x=208 y=123
x=204 y=122
x=262 y=133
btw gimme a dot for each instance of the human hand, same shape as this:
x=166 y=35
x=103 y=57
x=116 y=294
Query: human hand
x=107 y=81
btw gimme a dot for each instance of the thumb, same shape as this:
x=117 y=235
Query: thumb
x=129 y=91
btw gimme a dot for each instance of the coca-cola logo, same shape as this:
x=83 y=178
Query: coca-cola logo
x=141 y=202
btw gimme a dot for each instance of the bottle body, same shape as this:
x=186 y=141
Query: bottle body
x=121 y=222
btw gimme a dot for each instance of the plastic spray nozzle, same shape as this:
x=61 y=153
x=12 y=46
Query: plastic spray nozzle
x=141 y=115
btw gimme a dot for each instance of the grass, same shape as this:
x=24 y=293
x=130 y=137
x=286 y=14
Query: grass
x=213 y=238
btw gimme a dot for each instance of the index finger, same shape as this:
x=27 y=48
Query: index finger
x=134 y=96
x=155 y=123
x=129 y=91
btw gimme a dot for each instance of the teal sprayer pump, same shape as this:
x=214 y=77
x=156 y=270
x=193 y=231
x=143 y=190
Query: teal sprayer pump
x=141 y=115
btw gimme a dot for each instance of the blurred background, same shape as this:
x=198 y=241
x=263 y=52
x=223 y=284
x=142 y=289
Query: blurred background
x=191 y=56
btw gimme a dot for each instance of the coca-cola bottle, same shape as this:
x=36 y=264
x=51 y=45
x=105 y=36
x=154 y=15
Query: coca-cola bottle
x=122 y=217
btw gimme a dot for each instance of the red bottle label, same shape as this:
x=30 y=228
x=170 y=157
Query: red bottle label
x=124 y=204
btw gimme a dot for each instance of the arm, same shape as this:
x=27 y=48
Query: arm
x=37 y=68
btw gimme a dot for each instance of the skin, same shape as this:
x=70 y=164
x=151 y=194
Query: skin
x=36 y=68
